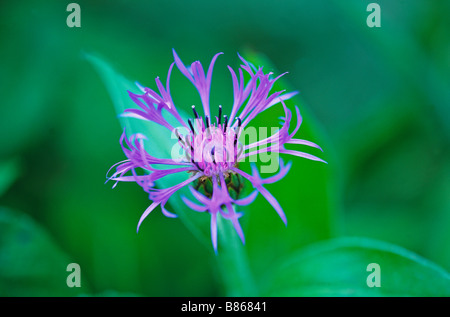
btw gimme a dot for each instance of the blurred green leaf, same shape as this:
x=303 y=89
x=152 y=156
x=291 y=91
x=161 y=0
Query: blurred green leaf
x=118 y=87
x=27 y=84
x=339 y=268
x=9 y=171
x=439 y=202
x=111 y=293
x=31 y=264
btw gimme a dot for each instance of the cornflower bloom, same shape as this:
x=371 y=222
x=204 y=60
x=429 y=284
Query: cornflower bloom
x=210 y=144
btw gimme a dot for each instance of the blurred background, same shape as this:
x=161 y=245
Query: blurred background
x=379 y=99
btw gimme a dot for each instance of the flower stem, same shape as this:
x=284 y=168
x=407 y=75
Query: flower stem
x=233 y=262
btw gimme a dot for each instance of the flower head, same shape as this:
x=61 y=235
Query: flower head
x=210 y=143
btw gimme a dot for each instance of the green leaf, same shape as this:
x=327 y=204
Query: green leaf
x=118 y=87
x=439 y=203
x=9 y=171
x=339 y=267
x=159 y=144
x=25 y=117
x=31 y=264
x=111 y=293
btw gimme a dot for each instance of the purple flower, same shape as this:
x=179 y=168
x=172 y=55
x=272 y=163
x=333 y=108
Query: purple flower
x=210 y=144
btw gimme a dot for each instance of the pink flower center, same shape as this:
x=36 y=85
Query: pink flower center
x=212 y=148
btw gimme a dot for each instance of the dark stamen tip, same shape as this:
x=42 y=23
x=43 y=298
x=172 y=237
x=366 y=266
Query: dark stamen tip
x=179 y=136
x=238 y=129
x=220 y=114
x=196 y=164
x=225 y=123
x=195 y=112
x=212 y=154
x=191 y=125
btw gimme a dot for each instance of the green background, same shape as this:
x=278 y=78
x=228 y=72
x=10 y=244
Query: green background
x=376 y=99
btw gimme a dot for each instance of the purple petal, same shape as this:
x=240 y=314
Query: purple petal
x=132 y=113
x=193 y=206
x=214 y=231
x=141 y=88
x=146 y=213
x=167 y=213
x=208 y=82
x=118 y=163
x=273 y=202
x=304 y=142
x=202 y=198
x=248 y=66
x=182 y=67
x=163 y=93
x=210 y=69
x=299 y=121
x=166 y=193
x=284 y=169
x=235 y=221
x=158 y=174
x=257 y=183
x=126 y=178
x=281 y=98
x=302 y=154
x=247 y=200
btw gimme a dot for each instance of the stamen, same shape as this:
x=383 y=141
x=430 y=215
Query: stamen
x=238 y=129
x=212 y=154
x=179 y=137
x=186 y=152
x=195 y=112
x=241 y=148
x=192 y=127
x=220 y=114
x=202 y=132
x=225 y=124
x=196 y=164
x=235 y=146
x=190 y=144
